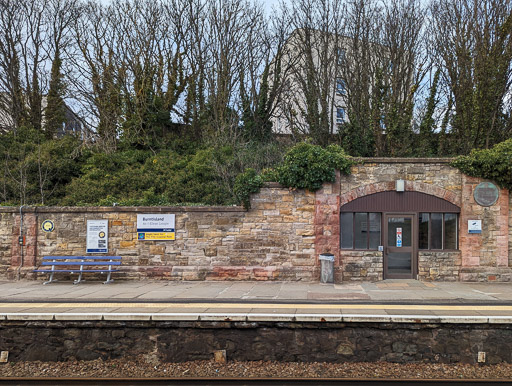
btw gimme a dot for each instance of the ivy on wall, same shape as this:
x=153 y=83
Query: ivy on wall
x=247 y=183
x=305 y=166
x=493 y=164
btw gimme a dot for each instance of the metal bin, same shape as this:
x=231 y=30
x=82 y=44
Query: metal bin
x=327 y=268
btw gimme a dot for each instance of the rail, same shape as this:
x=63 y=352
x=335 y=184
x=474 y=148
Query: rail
x=250 y=381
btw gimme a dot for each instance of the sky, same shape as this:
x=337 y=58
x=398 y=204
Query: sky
x=267 y=4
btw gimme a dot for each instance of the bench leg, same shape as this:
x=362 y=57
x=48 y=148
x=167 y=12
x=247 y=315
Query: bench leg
x=77 y=281
x=109 y=280
x=51 y=279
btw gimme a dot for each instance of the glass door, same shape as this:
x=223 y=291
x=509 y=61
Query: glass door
x=400 y=248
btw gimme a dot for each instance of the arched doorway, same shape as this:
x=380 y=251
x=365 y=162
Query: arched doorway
x=399 y=224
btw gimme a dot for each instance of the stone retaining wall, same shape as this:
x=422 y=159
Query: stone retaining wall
x=439 y=266
x=280 y=237
x=510 y=231
x=361 y=266
x=251 y=341
x=481 y=257
x=274 y=240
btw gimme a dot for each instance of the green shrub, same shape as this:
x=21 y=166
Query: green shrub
x=493 y=164
x=305 y=166
x=247 y=183
x=308 y=166
x=34 y=170
x=143 y=178
x=269 y=175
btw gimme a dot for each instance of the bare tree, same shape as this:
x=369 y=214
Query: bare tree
x=314 y=51
x=189 y=24
x=361 y=32
x=33 y=59
x=60 y=16
x=98 y=70
x=384 y=65
x=12 y=105
x=23 y=61
x=232 y=37
x=404 y=64
x=472 y=46
x=152 y=52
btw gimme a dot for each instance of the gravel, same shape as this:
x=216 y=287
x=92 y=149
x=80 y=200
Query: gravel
x=147 y=367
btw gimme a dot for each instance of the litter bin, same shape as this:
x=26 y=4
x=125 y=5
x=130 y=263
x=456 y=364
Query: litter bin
x=327 y=268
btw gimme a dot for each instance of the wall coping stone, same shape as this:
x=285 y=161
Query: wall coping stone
x=271 y=184
x=390 y=160
x=120 y=209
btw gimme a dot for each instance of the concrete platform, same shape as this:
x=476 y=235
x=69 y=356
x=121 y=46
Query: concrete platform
x=397 y=301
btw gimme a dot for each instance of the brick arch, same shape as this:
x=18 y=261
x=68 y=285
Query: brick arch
x=410 y=186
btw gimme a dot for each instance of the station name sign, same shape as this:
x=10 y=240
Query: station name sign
x=156 y=227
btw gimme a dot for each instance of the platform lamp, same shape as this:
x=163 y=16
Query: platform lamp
x=400 y=185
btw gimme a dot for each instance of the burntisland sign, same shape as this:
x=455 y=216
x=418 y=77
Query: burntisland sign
x=156 y=227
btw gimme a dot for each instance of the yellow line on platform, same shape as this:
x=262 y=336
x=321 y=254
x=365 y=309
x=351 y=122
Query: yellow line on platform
x=263 y=305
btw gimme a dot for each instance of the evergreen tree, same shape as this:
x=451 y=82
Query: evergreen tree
x=428 y=144
x=256 y=117
x=55 y=112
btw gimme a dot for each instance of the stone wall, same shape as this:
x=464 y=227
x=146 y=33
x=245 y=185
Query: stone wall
x=430 y=176
x=482 y=257
x=6 y=235
x=280 y=237
x=283 y=341
x=361 y=266
x=433 y=176
x=439 y=266
x=485 y=256
x=510 y=231
x=274 y=240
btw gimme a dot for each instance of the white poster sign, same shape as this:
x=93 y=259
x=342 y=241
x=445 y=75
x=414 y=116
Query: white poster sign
x=97 y=236
x=156 y=226
x=474 y=226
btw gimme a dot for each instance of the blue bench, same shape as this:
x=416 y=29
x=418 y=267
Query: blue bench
x=79 y=264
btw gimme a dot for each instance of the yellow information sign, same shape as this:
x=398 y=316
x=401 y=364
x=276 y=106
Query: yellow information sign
x=157 y=236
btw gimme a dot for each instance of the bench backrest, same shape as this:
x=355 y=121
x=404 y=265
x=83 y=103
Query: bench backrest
x=81 y=260
x=105 y=258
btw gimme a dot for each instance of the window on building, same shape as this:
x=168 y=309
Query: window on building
x=438 y=231
x=382 y=123
x=340 y=86
x=340 y=115
x=360 y=230
x=391 y=66
x=340 y=54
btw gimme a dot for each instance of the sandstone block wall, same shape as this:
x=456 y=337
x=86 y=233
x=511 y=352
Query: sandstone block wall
x=279 y=238
x=274 y=240
x=439 y=266
x=426 y=176
x=510 y=230
x=485 y=256
x=6 y=230
x=362 y=266
x=481 y=257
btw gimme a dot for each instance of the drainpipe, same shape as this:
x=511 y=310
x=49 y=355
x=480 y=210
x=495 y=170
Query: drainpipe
x=21 y=244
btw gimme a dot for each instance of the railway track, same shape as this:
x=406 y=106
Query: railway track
x=248 y=382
